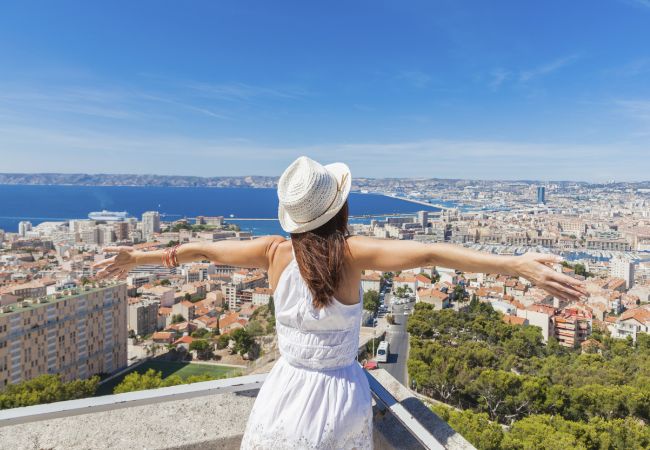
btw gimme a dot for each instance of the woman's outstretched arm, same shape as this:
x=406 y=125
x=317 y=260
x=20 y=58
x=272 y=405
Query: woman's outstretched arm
x=254 y=253
x=393 y=255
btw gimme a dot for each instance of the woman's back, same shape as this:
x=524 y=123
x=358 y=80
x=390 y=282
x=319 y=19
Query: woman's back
x=312 y=337
x=348 y=290
x=316 y=395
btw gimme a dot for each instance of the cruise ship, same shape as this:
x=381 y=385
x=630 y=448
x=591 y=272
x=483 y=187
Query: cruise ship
x=108 y=216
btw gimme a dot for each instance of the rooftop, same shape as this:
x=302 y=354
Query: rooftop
x=209 y=414
x=66 y=294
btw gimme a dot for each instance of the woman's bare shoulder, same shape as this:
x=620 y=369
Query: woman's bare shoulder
x=358 y=242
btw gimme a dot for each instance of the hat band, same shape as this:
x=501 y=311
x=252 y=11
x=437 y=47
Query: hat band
x=339 y=187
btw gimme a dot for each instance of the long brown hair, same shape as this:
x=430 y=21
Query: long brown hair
x=320 y=254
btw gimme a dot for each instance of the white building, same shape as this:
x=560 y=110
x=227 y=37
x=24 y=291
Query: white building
x=407 y=281
x=371 y=282
x=23 y=227
x=150 y=224
x=538 y=319
x=447 y=275
x=164 y=294
x=631 y=323
x=262 y=296
x=622 y=268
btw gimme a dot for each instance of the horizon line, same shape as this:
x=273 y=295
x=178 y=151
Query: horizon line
x=203 y=177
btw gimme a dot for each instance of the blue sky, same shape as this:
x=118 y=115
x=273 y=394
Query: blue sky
x=452 y=89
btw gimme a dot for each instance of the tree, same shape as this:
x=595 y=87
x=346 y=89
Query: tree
x=200 y=333
x=459 y=293
x=153 y=379
x=188 y=297
x=135 y=381
x=243 y=341
x=46 y=389
x=475 y=427
x=255 y=328
x=271 y=306
x=222 y=341
x=371 y=300
x=474 y=360
x=474 y=302
x=202 y=348
x=402 y=291
x=177 y=318
x=165 y=282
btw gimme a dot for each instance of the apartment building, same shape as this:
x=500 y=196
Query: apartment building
x=143 y=315
x=75 y=333
x=150 y=224
x=623 y=268
x=608 y=244
x=262 y=296
x=572 y=327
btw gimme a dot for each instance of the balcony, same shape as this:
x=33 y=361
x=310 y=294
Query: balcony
x=210 y=414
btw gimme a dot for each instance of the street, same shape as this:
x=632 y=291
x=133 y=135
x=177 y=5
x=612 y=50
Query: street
x=398 y=341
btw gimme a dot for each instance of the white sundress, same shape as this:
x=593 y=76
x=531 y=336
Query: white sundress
x=316 y=396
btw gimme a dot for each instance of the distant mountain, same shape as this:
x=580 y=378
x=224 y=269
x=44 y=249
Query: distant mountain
x=83 y=179
x=257 y=181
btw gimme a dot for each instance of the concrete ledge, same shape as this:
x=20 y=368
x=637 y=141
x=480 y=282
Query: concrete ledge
x=212 y=421
x=191 y=417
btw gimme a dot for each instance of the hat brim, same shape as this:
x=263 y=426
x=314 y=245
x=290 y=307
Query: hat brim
x=338 y=170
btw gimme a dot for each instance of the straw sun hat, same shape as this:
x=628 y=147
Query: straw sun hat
x=310 y=194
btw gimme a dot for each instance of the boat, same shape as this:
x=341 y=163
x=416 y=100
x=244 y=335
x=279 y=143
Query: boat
x=108 y=216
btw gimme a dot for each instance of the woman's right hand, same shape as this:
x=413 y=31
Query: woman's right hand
x=116 y=266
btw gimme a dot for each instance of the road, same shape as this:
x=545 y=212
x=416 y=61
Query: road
x=398 y=341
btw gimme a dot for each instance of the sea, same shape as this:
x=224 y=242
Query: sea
x=44 y=203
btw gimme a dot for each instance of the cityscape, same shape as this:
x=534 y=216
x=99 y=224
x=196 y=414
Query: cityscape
x=204 y=321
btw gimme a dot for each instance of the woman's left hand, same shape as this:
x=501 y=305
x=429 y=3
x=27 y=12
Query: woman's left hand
x=536 y=268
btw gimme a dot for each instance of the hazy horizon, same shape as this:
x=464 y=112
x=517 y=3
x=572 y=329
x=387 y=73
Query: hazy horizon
x=612 y=181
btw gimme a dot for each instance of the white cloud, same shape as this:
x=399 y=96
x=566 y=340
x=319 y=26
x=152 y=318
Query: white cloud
x=243 y=91
x=546 y=69
x=498 y=76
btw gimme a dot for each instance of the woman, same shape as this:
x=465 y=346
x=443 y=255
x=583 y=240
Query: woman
x=316 y=395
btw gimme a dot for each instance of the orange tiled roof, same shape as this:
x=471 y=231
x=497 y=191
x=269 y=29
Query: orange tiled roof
x=184 y=340
x=641 y=315
x=422 y=279
x=162 y=336
x=513 y=320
